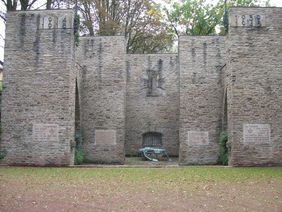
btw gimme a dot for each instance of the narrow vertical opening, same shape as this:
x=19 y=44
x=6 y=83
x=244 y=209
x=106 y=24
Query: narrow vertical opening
x=78 y=153
x=224 y=112
x=77 y=109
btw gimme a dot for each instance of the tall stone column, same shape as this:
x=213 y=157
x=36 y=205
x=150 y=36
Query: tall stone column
x=39 y=88
x=102 y=92
x=201 y=59
x=255 y=91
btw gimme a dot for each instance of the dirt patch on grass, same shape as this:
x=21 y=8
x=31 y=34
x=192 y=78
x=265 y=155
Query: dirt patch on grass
x=173 y=189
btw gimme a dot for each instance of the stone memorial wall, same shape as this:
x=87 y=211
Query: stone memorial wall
x=122 y=102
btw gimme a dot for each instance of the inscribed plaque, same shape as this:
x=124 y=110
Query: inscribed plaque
x=198 y=138
x=47 y=22
x=64 y=22
x=247 y=20
x=45 y=132
x=105 y=137
x=256 y=133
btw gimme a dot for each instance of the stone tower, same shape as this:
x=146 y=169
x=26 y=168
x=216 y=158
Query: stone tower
x=39 y=95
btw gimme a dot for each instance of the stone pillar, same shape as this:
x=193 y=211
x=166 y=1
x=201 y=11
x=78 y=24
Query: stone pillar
x=255 y=92
x=201 y=63
x=102 y=91
x=39 y=86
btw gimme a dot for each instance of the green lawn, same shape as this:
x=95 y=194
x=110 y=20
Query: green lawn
x=135 y=189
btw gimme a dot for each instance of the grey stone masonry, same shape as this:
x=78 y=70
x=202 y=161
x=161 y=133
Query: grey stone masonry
x=152 y=103
x=102 y=93
x=201 y=61
x=39 y=80
x=255 y=95
x=121 y=102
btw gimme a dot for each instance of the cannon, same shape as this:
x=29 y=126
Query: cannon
x=153 y=154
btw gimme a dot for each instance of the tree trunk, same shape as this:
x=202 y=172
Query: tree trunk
x=48 y=4
x=11 y=5
x=24 y=4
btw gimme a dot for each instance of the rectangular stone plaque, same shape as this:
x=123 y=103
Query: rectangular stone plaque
x=65 y=22
x=47 y=22
x=45 y=132
x=256 y=133
x=105 y=137
x=54 y=22
x=198 y=138
x=247 y=20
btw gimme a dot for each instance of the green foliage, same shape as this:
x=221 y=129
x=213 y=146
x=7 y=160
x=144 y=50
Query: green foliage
x=180 y=176
x=245 y=3
x=76 y=29
x=149 y=33
x=194 y=17
x=223 y=151
x=79 y=154
x=3 y=154
x=1 y=86
x=199 y=17
x=141 y=22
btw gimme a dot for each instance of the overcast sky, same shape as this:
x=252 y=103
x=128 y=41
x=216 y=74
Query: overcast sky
x=276 y=3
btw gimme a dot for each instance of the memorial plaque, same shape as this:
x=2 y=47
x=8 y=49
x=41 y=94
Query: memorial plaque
x=256 y=133
x=105 y=137
x=247 y=20
x=47 y=22
x=198 y=138
x=65 y=22
x=45 y=132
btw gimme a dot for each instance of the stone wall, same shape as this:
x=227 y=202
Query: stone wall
x=102 y=93
x=254 y=62
x=201 y=62
x=185 y=99
x=39 y=79
x=152 y=103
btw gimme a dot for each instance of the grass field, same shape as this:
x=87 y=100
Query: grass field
x=141 y=189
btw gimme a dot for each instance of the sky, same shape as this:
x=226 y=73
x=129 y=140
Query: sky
x=276 y=3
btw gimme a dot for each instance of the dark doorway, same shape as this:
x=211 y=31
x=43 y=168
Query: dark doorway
x=152 y=139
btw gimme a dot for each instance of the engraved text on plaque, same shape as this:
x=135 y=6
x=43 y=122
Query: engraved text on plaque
x=105 y=137
x=45 y=132
x=256 y=133
x=198 y=138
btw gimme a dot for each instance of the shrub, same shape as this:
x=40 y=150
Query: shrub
x=3 y=154
x=79 y=154
x=76 y=30
x=223 y=150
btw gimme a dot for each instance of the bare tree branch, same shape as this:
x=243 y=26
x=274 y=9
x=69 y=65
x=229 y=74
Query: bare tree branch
x=3 y=17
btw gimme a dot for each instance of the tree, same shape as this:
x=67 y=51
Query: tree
x=147 y=32
x=193 y=17
x=198 y=17
x=12 y=5
x=139 y=20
